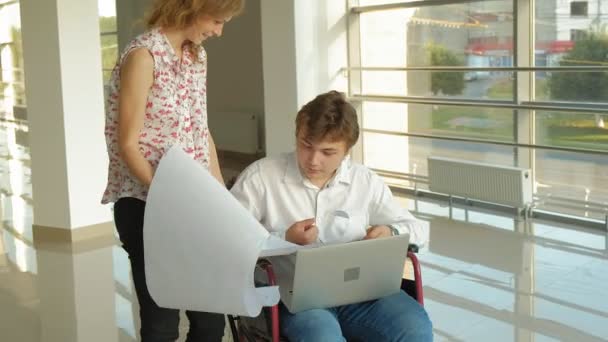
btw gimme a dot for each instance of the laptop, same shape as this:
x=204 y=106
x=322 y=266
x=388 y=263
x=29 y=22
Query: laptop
x=343 y=274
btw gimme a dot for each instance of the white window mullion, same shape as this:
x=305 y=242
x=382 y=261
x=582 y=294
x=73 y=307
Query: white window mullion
x=524 y=57
x=354 y=76
x=524 y=125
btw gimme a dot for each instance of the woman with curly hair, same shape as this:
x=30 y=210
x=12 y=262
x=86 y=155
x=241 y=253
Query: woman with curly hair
x=158 y=98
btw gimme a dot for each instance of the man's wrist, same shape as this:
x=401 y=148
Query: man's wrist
x=393 y=229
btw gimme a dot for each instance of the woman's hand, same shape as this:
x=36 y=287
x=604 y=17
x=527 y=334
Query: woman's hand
x=214 y=163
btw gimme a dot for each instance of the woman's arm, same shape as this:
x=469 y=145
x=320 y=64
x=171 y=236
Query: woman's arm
x=136 y=79
x=214 y=163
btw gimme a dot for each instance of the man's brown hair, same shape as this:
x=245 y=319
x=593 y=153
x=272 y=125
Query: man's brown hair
x=329 y=116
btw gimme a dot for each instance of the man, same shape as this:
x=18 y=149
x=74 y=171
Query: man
x=317 y=195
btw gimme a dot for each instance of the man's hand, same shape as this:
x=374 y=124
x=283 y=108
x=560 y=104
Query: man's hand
x=378 y=232
x=302 y=233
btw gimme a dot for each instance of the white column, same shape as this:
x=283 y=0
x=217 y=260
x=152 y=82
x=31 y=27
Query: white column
x=525 y=129
x=63 y=79
x=525 y=121
x=77 y=293
x=280 y=83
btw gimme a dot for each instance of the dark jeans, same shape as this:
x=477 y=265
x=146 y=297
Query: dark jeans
x=157 y=324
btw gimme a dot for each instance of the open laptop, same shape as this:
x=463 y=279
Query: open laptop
x=342 y=274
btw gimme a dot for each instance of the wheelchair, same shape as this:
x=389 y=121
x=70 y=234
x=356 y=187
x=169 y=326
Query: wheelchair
x=266 y=327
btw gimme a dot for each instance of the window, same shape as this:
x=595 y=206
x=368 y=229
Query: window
x=468 y=80
x=577 y=34
x=12 y=83
x=440 y=78
x=109 y=37
x=428 y=39
x=579 y=8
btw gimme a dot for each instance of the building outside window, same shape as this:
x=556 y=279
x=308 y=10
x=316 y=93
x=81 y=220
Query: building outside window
x=444 y=80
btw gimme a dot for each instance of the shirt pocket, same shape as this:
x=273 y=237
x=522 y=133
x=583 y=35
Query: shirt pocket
x=345 y=226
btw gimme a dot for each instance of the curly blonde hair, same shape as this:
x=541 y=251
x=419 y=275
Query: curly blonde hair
x=182 y=13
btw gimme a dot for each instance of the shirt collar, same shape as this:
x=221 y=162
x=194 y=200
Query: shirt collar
x=170 y=57
x=293 y=174
x=292 y=171
x=343 y=174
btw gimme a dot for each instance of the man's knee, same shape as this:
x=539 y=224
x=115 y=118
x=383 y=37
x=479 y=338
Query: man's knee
x=410 y=322
x=312 y=325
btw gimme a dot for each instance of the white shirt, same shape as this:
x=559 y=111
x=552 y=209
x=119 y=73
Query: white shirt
x=275 y=192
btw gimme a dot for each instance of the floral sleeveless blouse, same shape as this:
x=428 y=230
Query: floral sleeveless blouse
x=176 y=113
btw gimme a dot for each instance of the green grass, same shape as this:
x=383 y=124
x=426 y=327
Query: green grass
x=554 y=129
x=501 y=90
x=444 y=121
x=578 y=134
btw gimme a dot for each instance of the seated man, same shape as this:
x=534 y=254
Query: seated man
x=317 y=195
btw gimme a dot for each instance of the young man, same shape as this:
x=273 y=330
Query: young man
x=317 y=195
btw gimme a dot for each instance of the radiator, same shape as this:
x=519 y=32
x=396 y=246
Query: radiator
x=235 y=131
x=504 y=185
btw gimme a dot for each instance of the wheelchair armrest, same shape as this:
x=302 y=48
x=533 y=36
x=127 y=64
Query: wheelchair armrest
x=412 y=248
x=274 y=310
x=267 y=267
x=417 y=275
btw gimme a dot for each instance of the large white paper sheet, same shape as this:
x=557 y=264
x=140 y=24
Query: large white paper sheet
x=201 y=244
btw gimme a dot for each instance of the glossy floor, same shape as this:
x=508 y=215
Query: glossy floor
x=487 y=276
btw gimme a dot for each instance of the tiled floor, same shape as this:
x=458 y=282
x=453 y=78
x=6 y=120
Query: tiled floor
x=488 y=277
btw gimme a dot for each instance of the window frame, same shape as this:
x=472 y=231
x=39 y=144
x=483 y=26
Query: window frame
x=524 y=102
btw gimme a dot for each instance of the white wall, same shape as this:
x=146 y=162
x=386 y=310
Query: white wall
x=279 y=63
x=321 y=47
x=235 y=76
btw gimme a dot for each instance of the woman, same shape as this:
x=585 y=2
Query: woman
x=158 y=99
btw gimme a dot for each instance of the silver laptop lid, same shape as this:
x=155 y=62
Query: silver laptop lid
x=348 y=273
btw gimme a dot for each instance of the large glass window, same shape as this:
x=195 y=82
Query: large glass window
x=507 y=82
x=477 y=34
x=12 y=86
x=12 y=79
x=471 y=34
x=109 y=36
x=460 y=79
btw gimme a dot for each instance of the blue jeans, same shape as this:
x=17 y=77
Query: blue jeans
x=394 y=318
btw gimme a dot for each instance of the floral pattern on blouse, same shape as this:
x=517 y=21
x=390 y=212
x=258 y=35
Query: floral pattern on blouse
x=176 y=113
